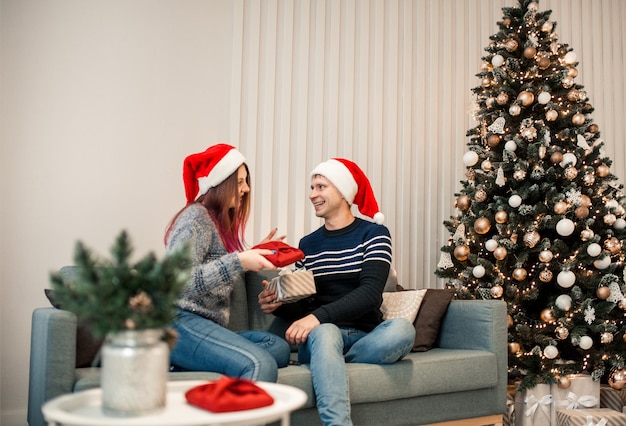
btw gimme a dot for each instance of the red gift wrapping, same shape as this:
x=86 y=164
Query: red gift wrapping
x=285 y=254
x=228 y=394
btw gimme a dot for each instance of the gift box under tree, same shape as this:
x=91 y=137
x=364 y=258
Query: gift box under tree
x=590 y=417
x=533 y=407
x=614 y=399
x=575 y=391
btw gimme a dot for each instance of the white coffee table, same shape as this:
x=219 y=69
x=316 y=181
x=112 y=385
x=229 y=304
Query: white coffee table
x=85 y=409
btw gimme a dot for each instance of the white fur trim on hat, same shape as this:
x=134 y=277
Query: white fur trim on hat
x=338 y=175
x=220 y=172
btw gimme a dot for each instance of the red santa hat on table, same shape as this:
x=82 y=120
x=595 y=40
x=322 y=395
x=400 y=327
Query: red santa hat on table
x=352 y=183
x=208 y=169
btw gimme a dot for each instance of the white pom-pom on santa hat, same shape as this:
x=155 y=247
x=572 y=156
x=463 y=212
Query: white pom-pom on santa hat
x=353 y=184
x=209 y=168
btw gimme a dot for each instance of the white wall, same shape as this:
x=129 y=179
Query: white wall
x=102 y=99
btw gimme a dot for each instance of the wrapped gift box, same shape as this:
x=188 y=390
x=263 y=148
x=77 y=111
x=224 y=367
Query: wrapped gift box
x=291 y=286
x=583 y=392
x=590 y=417
x=533 y=407
x=613 y=398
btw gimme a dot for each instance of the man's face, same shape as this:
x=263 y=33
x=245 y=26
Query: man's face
x=326 y=198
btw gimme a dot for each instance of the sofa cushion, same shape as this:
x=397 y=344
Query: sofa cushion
x=429 y=316
x=402 y=304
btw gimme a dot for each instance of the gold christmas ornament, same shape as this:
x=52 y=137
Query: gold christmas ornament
x=500 y=253
x=581 y=212
x=603 y=170
x=502 y=98
x=572 y=72
x=530 y=52
x=509 y=321
x=519 y=175
x=603 y=292
x=545 y=276
x=547 y=315
x=501 y=216
x=493 y=140
x=593 y=128
x=613 y=245
x=543 y=63
x=545 y=256
x=556 y=157
x=567 y=82
x=586 y=234
x=514 y=348
x=511 y=45
x=461 y=252
x=482 y=225
x=606 y=338
x=531 y=238
x=560 y=207
x=617 y=379
x=470 y=174
x=496 y=291
x=570 y=173
x=519 y=274
x=480 y=195
x=563 y=382
x=515 y=110
x=486 y=165
x=526 y=97
x=552 y=115
x=486 y=82
x=585 y=201
x=561 y=332
x=578 y=119
x=573 y=95
x=589 y=179
x=463 y=202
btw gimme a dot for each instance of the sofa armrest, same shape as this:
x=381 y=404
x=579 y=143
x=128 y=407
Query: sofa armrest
x=52 y=358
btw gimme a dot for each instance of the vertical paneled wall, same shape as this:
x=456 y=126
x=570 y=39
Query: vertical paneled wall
x=387 y=83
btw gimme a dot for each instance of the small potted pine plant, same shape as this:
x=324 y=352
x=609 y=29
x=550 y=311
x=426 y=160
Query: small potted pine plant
x=132 y=305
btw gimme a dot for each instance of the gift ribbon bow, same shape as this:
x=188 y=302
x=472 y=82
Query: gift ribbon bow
x=590 y=422
x=585 y=400
x=533 y=402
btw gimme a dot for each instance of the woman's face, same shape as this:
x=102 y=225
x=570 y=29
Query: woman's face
x=242 y=185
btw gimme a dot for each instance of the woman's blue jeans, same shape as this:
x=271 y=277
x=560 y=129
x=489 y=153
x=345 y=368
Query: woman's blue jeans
x=329 y=347
x=204 y=345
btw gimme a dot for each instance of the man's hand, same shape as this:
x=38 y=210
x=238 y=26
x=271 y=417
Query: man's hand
x=267 y=300
x=298 y=332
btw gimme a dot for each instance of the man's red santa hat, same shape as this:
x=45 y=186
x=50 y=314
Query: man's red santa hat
x=208 y=169
x=352 y=183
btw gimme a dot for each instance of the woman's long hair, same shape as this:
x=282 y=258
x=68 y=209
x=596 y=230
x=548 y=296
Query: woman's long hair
x=229 y=221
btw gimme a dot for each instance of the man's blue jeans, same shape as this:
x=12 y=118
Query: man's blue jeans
x=329 y=347
x=204 y=345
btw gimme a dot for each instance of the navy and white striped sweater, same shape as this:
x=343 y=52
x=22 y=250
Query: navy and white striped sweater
x=350 y=266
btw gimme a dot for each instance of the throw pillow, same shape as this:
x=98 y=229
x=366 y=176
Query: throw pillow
x=429 y=317
x=87 y=346
x=402 y=304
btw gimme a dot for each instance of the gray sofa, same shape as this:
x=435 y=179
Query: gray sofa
x=463 y=376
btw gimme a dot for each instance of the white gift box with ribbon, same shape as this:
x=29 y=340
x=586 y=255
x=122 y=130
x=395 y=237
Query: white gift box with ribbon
x=291 y=286
x=533 y=407
x=583 y=392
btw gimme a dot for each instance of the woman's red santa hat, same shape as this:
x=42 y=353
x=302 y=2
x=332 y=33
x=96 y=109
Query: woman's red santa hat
x=208 y=169
x=352 y=183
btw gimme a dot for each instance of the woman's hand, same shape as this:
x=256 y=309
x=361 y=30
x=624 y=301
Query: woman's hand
x=267 y=300
x=270 y=236
x=255 y=260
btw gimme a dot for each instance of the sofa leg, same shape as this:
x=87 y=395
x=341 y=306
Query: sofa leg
x=495 y=420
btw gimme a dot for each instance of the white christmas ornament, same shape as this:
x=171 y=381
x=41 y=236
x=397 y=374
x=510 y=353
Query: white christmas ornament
x=602 y=263
x=568 y=159
x=470 y=158
x=551 y=352
x=497 y=60
x=510 y=146
x=564 y=302
x=445 y=261
x=619 y=224
x=497 y=126
x=565 y=227
x=582 y=142
x=585 y=342
x=544 y=98
x=515 y=201
x=594 y=249
x=569 y=58
x=478 y=271
x=566 y=279
x=491 y=244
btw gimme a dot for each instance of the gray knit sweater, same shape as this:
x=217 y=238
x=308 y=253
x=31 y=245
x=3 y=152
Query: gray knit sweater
x=214 y=270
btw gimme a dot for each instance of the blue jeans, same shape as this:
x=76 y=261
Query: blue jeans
x=204 y=345
x=329 y=347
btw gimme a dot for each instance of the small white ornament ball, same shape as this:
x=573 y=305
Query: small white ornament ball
x=550 y=352
x=564 y=302
x=497 y=60
x=510 y=146
x=602 y=263
x=586 y=342
x=619 y=224
x=478 y=271
x=544 y=97
x=565 y=227
x=470 y=158
x=570 y=58
x=515 y=201
x=491 y=244
x=568 y=159
x=594 y=249
x=566 y=279
x=612 y=204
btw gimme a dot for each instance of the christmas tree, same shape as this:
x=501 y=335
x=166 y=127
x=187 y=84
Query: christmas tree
x=540 y=220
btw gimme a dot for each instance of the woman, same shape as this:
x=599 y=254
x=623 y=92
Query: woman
x=217 y=186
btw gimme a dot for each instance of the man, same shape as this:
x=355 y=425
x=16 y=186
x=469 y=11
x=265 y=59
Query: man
x=350 y=259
